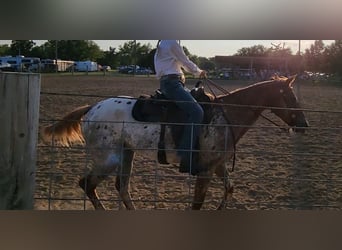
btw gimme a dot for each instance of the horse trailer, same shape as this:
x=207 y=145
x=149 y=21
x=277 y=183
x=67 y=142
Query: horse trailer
x=85 y=66
x=21 y=63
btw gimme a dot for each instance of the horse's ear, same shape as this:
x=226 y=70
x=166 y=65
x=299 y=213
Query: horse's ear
x=290 y=80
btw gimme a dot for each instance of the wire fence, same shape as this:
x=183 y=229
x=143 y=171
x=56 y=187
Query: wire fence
x=274 y=170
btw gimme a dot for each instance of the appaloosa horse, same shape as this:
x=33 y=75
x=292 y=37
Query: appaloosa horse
x=113 y=136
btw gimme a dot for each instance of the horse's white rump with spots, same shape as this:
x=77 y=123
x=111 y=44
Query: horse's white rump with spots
x=109 y=127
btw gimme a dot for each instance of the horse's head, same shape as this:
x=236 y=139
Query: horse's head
x=286 y=105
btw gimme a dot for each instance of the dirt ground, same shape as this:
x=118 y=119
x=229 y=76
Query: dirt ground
x=274 y=170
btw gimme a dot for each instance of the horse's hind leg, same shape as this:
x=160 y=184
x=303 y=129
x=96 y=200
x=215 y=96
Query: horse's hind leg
x=122 y=179
x=102 y=168
x=201 y=188
x=89 y=184
x=222 y=172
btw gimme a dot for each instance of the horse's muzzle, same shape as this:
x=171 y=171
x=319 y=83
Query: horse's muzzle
x=301 y=128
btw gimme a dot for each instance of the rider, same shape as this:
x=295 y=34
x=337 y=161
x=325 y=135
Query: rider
x=169 y=60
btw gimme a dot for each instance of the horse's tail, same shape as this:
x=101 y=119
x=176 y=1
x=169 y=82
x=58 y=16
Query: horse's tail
x=68 y=129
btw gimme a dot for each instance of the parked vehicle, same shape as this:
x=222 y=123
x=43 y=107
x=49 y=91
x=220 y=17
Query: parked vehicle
x=144 y=71
x=51 y=65
x=85 y=66
x=5 y=67
x=105 y=68
x=135 y=69
x=127 y=69
x=21 y=63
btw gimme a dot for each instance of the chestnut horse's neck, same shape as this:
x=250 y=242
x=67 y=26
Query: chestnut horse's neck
x=244 y=106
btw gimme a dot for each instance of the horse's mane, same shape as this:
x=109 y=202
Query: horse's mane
x=275 y=79
x=210 y=96
x=279 y=78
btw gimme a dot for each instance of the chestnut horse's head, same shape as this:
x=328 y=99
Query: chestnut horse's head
x=285 y=104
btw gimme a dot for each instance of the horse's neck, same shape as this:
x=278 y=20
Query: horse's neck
x=240 y=109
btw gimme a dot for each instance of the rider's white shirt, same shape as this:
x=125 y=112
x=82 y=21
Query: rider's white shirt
x=170 y=59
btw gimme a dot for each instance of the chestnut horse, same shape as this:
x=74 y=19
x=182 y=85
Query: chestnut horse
x=113 y=136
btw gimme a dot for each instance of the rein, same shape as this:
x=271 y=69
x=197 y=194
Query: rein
x=224 y=91
x=224 y=114
x=274 y=123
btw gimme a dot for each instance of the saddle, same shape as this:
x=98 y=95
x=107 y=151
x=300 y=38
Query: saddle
x=157 y=108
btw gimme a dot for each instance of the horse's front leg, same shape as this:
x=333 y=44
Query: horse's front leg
x=122 y=180
x=222 y=172
x=201 y=188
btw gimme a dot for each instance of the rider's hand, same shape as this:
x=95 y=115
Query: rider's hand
x=203 y=74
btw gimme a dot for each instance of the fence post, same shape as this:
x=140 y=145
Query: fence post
x=19 y=114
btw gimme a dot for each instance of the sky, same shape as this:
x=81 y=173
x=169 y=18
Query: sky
x=209 y=48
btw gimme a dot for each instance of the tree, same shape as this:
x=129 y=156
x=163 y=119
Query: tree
x=21 y=47
x=314 y=57
x=5 y=50
x=94 y=51
x=333 y=55
x=206 y=64
x=279 y=51
x=143 y=55
x=150 y=59
x=133 y=53
x=127 y=53
x=48 y=49
x=78 y=50
x=39 y=51
x=110 y=58
x=254 y=51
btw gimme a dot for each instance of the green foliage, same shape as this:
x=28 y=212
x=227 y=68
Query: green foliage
x=333 y=56
x=109 y=58
x=321 y=58
x=21 y=47
x=4 y=50
x=254 y=51
x=133 y=52
x=77 y=50
x=314 y=57
x=202 y=62
x=262 y=51
x=206 y=64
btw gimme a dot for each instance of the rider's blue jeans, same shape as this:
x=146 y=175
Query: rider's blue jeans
x=173 y=89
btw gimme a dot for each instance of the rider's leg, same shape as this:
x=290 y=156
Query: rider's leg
x=173 y=89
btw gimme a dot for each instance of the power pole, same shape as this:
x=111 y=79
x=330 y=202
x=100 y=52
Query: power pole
x=56 y=54
x=299 y=71
x=135 y=57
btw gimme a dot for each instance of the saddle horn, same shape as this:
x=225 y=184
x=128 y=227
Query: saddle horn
x=198 y=84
